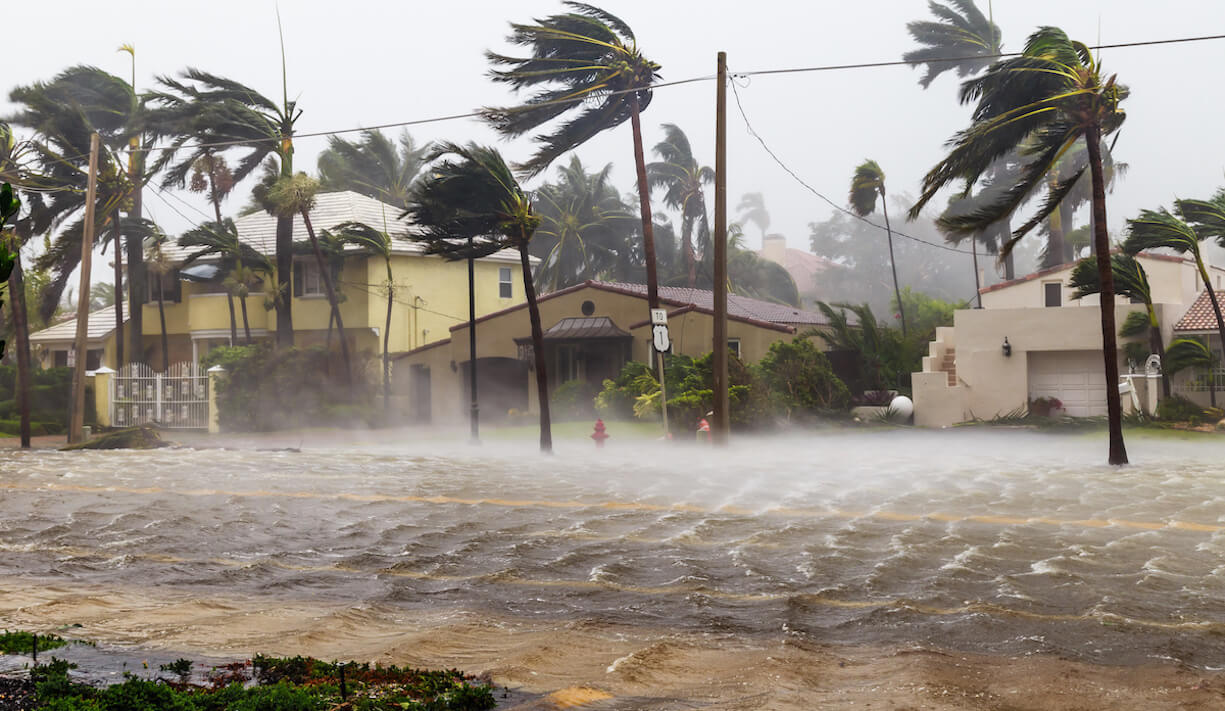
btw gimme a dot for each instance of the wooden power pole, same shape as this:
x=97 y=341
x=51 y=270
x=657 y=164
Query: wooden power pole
x=719 y=346
x=76 y=423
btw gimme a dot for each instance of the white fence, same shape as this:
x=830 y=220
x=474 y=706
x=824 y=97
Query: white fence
x=176 y=399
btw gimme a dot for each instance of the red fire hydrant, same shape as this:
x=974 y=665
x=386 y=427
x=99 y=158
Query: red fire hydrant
x=599 y=435
x=703 y=426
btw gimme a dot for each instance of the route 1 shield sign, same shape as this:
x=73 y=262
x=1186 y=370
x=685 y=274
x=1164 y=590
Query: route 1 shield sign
x=659 y=336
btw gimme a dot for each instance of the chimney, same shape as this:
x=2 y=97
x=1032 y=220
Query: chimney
x=774 y=248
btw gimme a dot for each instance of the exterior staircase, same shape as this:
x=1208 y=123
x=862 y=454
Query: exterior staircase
x=948 y=364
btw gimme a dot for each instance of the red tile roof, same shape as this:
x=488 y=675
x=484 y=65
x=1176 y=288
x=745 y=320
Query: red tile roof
x=1200 y=316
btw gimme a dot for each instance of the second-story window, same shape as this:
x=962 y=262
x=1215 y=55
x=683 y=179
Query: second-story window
x=1053 y=293
x=504 y=284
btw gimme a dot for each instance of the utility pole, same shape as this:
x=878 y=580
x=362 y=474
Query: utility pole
x=719 y=431
x=76 y=422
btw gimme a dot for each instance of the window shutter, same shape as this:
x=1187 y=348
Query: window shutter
x=297 y=278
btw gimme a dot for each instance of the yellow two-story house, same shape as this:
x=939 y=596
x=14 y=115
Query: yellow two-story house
x=430 y=295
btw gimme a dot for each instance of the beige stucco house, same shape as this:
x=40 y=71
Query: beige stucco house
x=1054 y=344
x=590 y=331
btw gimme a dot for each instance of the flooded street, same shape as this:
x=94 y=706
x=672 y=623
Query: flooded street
x=640 y=566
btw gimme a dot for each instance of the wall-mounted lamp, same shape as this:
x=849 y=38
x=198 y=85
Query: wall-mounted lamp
x=1007 y=348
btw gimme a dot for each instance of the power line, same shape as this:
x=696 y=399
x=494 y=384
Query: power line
x=753 y=132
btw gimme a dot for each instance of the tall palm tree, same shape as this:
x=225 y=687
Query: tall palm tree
x=198 y=111
x=295 y=195
x=960 y=31
x=473 y=195
x=586 y=60
x=867 y=184
x=752 y=208
x=682 y=177
x=377 y=243
x=584 y=227
x=1131 y=281
x=15 y=170
x=1048 y=98
x=1155 y=229
x=374 y=166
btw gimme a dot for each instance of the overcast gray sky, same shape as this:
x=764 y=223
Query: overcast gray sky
x=363 y=63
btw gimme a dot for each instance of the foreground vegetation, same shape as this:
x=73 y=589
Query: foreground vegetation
x=261 y=684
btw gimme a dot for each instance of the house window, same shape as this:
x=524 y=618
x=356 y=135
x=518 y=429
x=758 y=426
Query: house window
x=1052 y=293
x=567 y=363
x=164 y=285
x=59 y=359
x=504 y=283
x=307 y=280
x=733 y=345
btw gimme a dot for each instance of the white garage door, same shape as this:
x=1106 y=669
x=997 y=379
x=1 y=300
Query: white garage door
x=1076 y=378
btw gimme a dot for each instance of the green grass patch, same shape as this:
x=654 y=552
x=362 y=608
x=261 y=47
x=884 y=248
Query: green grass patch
x=19 y=642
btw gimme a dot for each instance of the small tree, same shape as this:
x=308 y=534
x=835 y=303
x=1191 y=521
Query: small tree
x=800 y=379
x=472 y=196
x=1192 y=353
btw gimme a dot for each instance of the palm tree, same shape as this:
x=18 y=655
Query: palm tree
x=101 y=295
x=1191 y=353
x=296 y=195
x=201 y=110
x=862 y=336
x=220 y=241
x=374 y=166
x=1048 y=98
x=868 y=183
x=1158 y=228
x=681 y=177
x=585 y=59
x=379 y=244
x=63 y=113
x=752 y=208
x=584 y=230
x=475 y=196
x=1131 y=281
x=760 y=278
x=960 y=31
x=160 y=265
x=210 y=173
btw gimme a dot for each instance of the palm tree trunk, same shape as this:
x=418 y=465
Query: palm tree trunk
x=691 y=265
x=1110 y=348
x=1055 y=247
x=977 y=284
x=644 y=202
x=161 y=315
x=387 y=342
x=117 y=243
x=474 y=421
x=326 y=275
x=901 y=309
x=542 y=375
x=229 y=300
x=137 y=272
x=284 y=268
x=246 y=324
x=21 y=328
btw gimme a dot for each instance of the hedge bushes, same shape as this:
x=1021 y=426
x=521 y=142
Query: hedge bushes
x=50 y=391
x=265 y=389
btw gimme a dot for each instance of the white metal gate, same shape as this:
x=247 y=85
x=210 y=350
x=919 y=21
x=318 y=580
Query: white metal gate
x=176 y=399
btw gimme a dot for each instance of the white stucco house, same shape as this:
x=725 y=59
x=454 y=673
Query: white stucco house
x=1054 y=344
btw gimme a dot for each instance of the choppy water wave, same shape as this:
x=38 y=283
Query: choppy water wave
x=996 y=542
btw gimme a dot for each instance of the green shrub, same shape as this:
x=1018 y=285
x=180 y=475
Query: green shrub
x=1177 y=408
x=264 y=388
x=574 y=400
x=616 y=400
x=800 y=381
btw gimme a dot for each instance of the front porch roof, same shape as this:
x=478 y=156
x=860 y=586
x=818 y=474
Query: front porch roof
x=101 y=325
x=581 y=328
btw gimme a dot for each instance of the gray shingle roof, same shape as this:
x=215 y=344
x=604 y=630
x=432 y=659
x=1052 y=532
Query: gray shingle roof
x=101 y=323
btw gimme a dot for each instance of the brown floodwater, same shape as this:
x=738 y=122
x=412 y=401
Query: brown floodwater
x=543 y=569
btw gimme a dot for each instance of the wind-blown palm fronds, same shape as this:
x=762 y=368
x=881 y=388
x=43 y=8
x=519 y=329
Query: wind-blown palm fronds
x=960 y=38
x=682 y=178
x=374 y=166
x=585 y=60
x=472 y=194
x=1186 y=353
